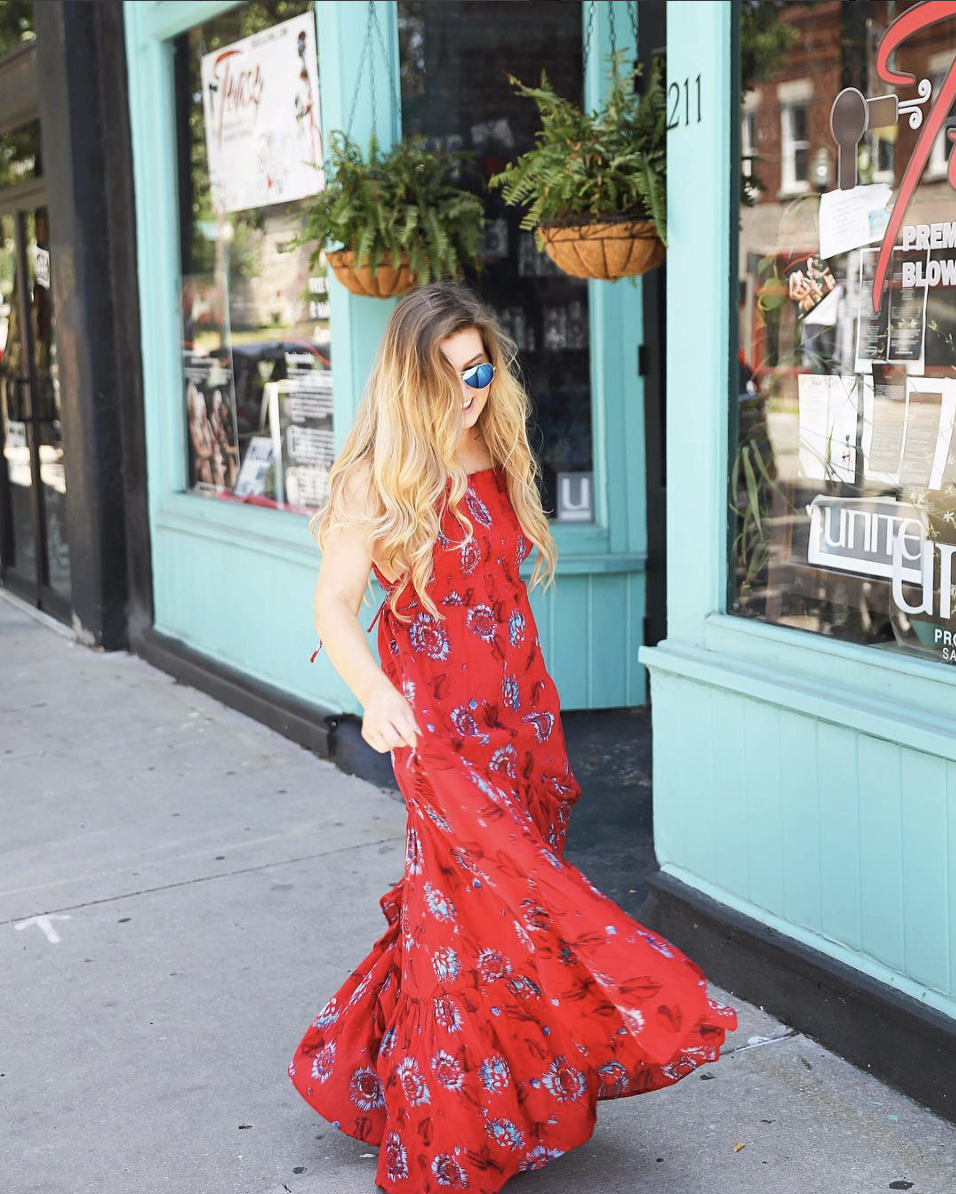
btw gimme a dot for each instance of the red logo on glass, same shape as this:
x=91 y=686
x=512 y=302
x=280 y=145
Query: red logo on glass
x=852 y=114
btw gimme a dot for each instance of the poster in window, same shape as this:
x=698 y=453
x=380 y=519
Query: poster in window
x=827 y=427
x=809 y=282
x=262 y=117
x=896 y=333
x=301 y=426
x=255 y=476
x=212 y=430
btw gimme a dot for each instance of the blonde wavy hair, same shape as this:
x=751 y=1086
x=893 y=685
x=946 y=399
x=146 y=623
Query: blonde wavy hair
x=400 y=449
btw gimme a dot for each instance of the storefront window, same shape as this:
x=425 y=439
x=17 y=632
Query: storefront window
x=257 y=359
x=843 y=465
x=455 y=61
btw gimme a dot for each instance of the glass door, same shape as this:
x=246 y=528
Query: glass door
x=34 y=550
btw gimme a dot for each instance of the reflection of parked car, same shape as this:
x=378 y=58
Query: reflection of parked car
x=265 y=360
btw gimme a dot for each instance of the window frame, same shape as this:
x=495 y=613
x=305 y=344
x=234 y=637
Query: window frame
x=616 y=541
x=748 y=141
x=790 y=146
x=780 y=664
x=909 y=699
x=873 y=143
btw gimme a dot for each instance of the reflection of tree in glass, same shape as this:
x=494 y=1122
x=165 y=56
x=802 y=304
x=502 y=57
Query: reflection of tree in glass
x=20 y=154
x=764 y=42
x=16 y=25
x=754 y=487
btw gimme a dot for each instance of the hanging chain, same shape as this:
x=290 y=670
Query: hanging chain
x=366 y=52
x=389 y=59
x=371 y=61
x=373 y=29
x=632 y=15
x=358 y=85
x=612 y=29
x=587 y=35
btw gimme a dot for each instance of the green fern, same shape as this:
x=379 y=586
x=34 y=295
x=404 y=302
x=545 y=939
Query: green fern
x=381 y=204
x=611 y=162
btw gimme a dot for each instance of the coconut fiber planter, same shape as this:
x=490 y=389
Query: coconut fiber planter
x=387 y=281
x=607 y=250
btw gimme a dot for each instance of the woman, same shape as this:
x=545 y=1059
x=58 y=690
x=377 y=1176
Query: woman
x=506 y=994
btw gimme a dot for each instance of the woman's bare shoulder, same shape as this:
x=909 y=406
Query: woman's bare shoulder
x=361 y=498
x=359 y=493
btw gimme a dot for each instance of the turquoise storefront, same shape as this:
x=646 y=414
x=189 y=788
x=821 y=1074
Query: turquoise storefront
x=803 y=707
x=233 y=579
x=804 y=716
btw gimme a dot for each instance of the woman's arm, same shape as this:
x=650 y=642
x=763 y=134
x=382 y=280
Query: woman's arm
x=388 y=720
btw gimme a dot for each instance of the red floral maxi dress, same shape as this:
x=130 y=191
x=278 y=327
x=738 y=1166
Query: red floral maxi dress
x=506 y=995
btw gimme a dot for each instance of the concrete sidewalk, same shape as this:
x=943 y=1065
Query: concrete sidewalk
x=180 y=891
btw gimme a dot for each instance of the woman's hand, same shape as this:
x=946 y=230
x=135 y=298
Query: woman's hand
x=388 y=720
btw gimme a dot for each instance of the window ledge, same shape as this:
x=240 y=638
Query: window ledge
x=899 y=687
x=274 y=532
x=831 y=696
x=721 y=630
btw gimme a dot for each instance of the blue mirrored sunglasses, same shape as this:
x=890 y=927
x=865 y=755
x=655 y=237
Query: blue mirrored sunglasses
x=479 y=376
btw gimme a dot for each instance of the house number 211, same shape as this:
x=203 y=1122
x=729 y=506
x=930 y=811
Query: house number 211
x=680 y=113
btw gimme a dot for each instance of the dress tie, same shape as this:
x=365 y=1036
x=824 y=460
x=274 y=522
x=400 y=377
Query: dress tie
x=370 y=625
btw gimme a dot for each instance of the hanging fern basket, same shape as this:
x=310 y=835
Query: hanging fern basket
x=387 y=280
x=608 y=249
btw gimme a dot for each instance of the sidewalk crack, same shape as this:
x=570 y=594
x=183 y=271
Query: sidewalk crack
x=758 y=1042
x=262 y=866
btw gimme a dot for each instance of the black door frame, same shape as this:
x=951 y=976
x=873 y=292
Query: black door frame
x=17 y=202
x=652 y=42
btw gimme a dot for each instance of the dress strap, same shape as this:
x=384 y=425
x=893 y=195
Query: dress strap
x=370 y=625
